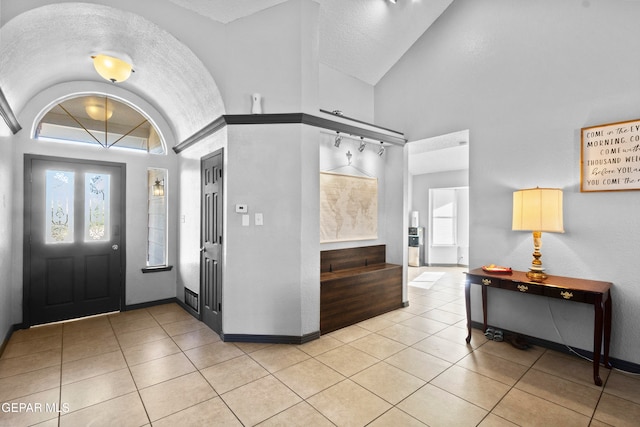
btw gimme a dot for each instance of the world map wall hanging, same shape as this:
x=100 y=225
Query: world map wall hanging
x=348 y=207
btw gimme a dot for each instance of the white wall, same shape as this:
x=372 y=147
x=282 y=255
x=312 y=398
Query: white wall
x=273 y=52
x=7 y=246
x=352 y=96
x=273 y=270
x=524 y=77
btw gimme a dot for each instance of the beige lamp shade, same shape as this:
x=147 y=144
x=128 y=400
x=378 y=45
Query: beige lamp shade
x=110 y=68
x=538 y=209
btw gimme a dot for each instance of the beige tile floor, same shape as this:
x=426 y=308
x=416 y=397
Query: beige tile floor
x=411 y=367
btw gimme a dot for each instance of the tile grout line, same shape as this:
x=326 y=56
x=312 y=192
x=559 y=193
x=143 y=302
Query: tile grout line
x=146 y=412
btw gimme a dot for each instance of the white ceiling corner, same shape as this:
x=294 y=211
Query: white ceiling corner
x=361 y=38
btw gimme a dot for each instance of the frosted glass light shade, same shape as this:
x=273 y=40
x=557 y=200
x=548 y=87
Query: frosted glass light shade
x=110 y=68
x=538 y=209
x=97 y=112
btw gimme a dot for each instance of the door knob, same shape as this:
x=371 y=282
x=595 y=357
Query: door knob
x=203 y=249
x=114 y=247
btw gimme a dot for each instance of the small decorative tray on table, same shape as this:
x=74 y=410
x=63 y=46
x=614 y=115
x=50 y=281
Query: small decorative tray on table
x=496 y=269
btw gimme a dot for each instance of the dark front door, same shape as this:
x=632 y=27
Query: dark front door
x=73 y=240
x=211 y=248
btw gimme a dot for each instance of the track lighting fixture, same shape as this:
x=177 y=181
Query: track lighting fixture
x=362 y=145
x=381 y=150
x=338 y=140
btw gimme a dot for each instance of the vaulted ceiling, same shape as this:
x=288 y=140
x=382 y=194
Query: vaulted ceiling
x=46 y=46
x=362 y=38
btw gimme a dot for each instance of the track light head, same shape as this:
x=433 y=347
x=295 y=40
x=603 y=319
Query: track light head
x=381 y=150
x=338 y=140
x=362 y=145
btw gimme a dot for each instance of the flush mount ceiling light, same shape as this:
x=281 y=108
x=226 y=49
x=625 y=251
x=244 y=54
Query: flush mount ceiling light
x=362 y=145
x=338 y=140
x=393 y=1
x=114 y=69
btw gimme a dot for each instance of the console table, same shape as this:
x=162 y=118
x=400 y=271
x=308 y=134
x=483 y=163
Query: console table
x=567 y=288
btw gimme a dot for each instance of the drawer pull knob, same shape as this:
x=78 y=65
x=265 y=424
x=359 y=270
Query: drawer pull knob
x=523 y=288
x=566 y=294
x=486 y=282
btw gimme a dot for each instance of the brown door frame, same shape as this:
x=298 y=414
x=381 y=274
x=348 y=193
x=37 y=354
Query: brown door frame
x=26 y=247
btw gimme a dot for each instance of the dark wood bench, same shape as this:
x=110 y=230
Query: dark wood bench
x=357 y=284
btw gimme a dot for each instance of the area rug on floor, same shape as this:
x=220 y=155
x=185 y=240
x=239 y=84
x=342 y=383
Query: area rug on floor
x=426 y=279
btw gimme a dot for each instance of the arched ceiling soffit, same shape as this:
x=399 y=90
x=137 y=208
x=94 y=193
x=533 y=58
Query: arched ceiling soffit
x=53 y=44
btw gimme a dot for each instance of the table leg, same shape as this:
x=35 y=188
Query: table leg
x=467 y=301
x=607 y=330
x=597 y=339
x=484 y=307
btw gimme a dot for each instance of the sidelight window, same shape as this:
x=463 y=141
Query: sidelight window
x=157 y=218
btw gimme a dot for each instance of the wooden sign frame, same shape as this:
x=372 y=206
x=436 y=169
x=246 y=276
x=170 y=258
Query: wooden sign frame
x=610 y=157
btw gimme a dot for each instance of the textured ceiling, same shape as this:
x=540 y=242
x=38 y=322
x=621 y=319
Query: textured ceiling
x=362 y=38
x=52 y=45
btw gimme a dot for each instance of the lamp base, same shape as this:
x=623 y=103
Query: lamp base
x=536 y=275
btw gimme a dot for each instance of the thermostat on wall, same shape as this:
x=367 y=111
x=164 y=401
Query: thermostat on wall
x=242 y=209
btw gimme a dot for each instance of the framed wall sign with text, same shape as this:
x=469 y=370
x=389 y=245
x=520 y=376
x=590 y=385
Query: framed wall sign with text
x=610 y=157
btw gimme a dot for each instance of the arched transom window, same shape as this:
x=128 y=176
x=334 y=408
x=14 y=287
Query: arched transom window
x=100 y=120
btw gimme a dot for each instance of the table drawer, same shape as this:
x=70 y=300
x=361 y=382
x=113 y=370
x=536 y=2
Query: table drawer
x=486 y=281
x=524 y=287
x=570 y=295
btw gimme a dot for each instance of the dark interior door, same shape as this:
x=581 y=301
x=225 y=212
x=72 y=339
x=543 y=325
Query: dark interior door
x=211 y=248
x=74 y=233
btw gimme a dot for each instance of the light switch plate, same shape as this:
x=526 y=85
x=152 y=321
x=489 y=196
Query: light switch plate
x=259 y=219
x=245 y=220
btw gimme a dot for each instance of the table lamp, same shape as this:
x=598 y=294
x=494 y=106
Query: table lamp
x=537 y=210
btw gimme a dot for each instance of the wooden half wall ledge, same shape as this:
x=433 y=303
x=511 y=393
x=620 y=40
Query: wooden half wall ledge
x=357 y=284
x=340 y=125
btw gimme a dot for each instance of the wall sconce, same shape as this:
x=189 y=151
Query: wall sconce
x=362 y=145
x=111 y=68
x=349 y=157
x=338 y=140
x=537 y=210
x=381 y=150
x=158 y=188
